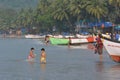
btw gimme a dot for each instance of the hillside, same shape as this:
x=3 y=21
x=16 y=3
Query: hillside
x=18 y=4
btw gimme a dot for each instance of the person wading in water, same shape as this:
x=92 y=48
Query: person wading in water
x=31 y=55
x=43 y=56
x=99 y=46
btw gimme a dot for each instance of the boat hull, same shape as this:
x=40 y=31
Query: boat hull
x=73 y=41
x=59 y=41
x=84 y=40
x=115 y=58
x=30 y=36
x=113 y=49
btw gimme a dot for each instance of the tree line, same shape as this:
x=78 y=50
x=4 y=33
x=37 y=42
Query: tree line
x=61 y=14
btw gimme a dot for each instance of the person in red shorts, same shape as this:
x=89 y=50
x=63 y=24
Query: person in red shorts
x=31 y=55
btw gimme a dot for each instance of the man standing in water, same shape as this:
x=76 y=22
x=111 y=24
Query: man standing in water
x=99 y=46
x=43 y=56
x=46 y=40
x=69 y=42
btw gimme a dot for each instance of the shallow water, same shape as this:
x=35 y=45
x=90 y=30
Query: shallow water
x=76 y=63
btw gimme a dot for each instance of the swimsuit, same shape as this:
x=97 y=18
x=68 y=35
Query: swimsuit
x=29 y=57
x=43 y=60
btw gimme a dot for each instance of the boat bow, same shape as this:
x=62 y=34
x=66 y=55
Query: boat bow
x=113 y=48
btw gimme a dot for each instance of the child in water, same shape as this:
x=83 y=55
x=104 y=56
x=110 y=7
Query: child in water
x=43 y=56
x=31 y=55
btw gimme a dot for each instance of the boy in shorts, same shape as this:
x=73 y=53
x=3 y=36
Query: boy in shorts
x=43 y=56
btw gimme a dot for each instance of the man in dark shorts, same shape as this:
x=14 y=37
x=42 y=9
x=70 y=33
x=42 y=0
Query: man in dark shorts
x=99 y=46
x=46 y=40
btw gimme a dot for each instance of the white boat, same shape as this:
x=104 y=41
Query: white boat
x=73 y=41
x=31 y=36
x=78 y=41
x=106 y=35
x=82 y=40
x=82 y=36
x=67 y=36
x=113 y=48
x=58 y=36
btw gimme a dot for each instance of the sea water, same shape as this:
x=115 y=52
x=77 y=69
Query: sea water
x=63 y=63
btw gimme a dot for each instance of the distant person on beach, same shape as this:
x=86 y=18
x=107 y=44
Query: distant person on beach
x=31 y=55
x=43 y=56
x=99 y=46
x=69 y=42
x=46 y=40
x=4 y=34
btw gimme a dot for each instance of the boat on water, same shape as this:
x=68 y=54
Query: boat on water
x=73 y=41
x=59 y=41
x=82 y=40
x=113 y=48
x=82 y=36
x=31 y=36
x=106 y=35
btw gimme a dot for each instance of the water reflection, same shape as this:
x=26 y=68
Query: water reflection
x=31 y=62
x=116 y=67
x=43 y=69
x=99 y=66
x=113 y=73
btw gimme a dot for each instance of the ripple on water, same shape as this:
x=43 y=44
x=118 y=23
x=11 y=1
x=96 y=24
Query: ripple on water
x=9 y=76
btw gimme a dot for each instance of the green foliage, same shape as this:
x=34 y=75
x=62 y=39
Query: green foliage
x=60 y=13
x=97 y=8
x=7 y=16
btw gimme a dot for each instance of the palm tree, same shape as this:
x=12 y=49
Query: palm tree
x=77 y=7
x=114 y=2
x=21 y=18
x=43 y=6
x=60 y=11
x=43 y=16
x=114 y=10
x=97 y=8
